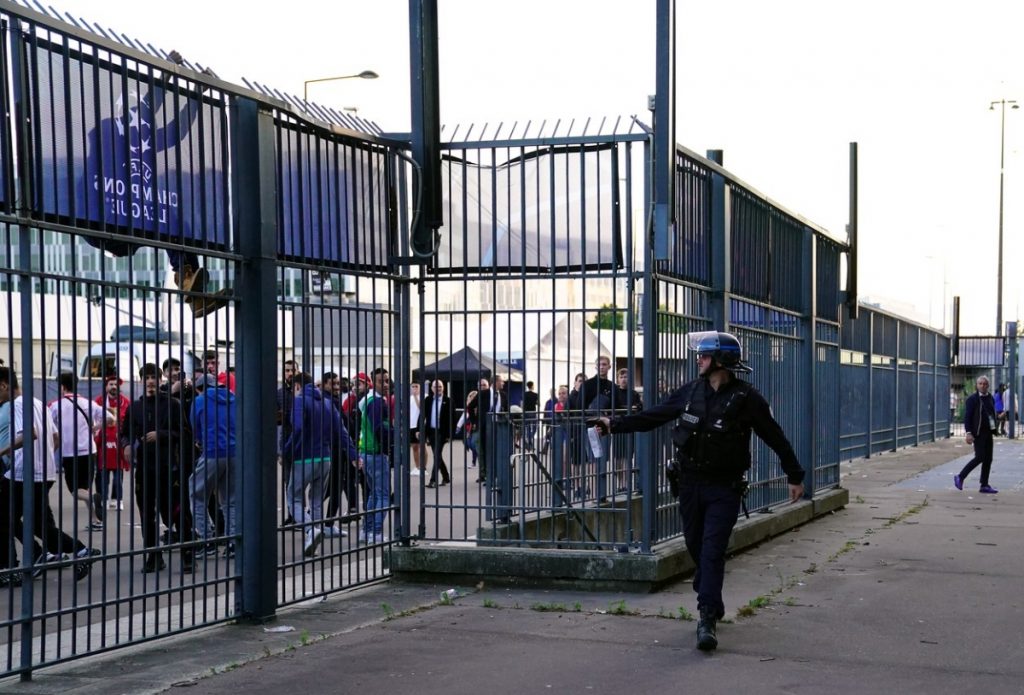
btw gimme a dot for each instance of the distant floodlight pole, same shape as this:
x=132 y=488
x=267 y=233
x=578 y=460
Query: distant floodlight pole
x=364 y=75
x=1003 y=103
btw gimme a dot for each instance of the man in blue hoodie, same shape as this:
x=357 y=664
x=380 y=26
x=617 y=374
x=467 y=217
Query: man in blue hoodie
x=213 y=423
x=316 y=423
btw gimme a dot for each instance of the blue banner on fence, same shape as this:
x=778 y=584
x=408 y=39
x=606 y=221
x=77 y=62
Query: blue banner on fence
x=128 y=150
x=334 y=200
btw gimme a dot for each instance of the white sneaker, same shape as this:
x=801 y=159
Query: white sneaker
x=112 y=504
x=120 y=506
x=334 y=532
x=415 y=472
x=313 y=539
x=380 y=538
x=365 y=537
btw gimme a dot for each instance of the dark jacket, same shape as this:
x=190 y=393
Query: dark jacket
x=285 y=406
x=445 y=424
x=977 y=412
x=598 y=395
x=719 y=452
x=315 y=424
x=158 y=413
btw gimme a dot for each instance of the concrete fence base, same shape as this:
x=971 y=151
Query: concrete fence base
x=595 y=570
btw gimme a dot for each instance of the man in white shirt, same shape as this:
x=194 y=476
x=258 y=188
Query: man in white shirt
x=78 y=421
x=45 y=443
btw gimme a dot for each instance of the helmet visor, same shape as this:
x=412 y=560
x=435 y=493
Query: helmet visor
x=703 y=341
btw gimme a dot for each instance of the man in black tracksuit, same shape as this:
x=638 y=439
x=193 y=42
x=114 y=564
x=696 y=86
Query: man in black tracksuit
x=717 y=413
x=152 y=430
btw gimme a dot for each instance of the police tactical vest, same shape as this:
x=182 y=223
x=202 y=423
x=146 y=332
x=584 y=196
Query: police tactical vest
x=718 y=445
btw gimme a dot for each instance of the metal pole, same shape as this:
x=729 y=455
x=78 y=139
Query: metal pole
x=851 y=268
x=999 y=273
x=24 y=194
x=1011 y=407
x=255 y=206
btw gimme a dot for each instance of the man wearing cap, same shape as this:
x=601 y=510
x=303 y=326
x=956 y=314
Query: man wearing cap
x=151 y=437
x=716 y=414
x=213 y=421
x=112 y=463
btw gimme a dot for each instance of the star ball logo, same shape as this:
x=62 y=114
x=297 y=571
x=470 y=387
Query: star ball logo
x=139 y=132
x=128 y=183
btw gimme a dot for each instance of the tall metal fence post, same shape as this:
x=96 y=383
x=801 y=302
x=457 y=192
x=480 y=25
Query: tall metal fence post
x=809 y=283
x=721 y=268
x=29 y=325
x=1011 y=407
x=871 y=381
x=255 y=217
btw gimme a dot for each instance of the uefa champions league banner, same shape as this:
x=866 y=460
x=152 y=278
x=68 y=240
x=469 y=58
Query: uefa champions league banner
x=126 y=153
x=333 y=200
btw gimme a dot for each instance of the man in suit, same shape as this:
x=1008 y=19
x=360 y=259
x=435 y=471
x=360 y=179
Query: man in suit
x=490 y=400
x=437 y=426
x=531 y=404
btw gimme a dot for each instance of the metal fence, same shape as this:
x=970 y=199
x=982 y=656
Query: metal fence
x=894 y=384
x=151 y=214
x=546 y=267
x=169 y=243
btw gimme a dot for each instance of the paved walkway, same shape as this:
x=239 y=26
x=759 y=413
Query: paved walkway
x=913 y=588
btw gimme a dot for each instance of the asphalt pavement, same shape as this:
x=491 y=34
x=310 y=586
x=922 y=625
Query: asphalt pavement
x=912 y=588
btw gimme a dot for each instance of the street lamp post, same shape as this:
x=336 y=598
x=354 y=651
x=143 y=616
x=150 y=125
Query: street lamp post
x=1003 y=103
x=364 y=75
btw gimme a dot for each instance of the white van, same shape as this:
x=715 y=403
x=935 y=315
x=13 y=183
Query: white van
x=125 y=358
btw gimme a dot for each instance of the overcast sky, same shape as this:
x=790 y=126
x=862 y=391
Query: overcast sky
x=783 y=87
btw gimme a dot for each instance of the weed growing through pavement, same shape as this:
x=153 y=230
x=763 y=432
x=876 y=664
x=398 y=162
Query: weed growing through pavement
x=548 y=607
x=490 y=603
x=619 y=608
x=847 y=547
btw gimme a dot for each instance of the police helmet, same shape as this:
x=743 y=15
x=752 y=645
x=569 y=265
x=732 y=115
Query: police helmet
x=722 y=347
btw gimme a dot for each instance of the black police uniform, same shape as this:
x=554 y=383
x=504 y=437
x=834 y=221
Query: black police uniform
x=714 y=433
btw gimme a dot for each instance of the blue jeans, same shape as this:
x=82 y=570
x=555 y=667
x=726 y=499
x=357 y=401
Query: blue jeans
x=111 y=484
x=213 y=476
x=378 y=481
x=709 y=512
x=312 y=474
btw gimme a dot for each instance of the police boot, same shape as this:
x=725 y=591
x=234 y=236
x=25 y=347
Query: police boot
x=707 y=638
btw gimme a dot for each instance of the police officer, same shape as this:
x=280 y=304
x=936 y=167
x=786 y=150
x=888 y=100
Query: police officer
x=716 y=414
